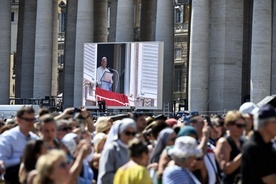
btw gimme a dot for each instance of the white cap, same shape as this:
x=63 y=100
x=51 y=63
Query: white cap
x=247 y=108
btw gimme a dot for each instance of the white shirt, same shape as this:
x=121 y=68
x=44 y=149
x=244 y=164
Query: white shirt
x=100 y=72
x=12 y=145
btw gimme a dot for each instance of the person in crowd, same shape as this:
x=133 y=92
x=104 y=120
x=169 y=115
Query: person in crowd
x=48 y=131
x=228 y=149
x=149 y=120
x=214 y=133
x=74 y=123
x=156 y=127
x=184 y=153
x=98 y=142
x=164 y=158
x=171 y=122
x=100 y=72
x=33 y=150
x=218 y=124
x=63 y=128
x=85 y=120
x=13 y=142
x=43 y=111
x=134 y=171
x=165 y=138
x=258 y=163
x=247 y=110
x=53 y=168
x=103 y=124
x=71 y=142
x=140 y=120
x=115 y=154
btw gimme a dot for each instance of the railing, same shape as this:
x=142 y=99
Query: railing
x=47 y=102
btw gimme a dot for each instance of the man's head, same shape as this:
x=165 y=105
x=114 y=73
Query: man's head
x=25 y=118
x=63 y=128
x=104 y=62
x=218 y=125
x=48 y=128
x=140 y=120
x=265 y=119
x=197 y=122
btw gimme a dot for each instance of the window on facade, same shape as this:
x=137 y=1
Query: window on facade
x=178 y=78
x=178 y=14
x=12 y=16
x=178 y=54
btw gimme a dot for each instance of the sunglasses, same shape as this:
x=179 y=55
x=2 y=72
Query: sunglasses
x=28 y=119
x=128 y=133
x=65 y=128
x=63 y=165
x=240 y=125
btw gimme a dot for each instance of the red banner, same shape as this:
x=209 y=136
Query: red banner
x=111 y=98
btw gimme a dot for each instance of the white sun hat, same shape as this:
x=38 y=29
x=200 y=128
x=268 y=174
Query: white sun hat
x=185 y=147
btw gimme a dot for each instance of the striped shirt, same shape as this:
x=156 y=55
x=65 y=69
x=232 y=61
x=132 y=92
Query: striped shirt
x=177 y=175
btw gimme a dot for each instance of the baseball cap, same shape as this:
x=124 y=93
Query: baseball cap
x=266 y=111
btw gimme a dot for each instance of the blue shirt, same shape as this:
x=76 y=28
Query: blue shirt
x=176 y=175
x=12 y=145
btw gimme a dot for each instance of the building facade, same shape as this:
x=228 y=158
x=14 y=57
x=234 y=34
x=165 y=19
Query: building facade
x=218 y=54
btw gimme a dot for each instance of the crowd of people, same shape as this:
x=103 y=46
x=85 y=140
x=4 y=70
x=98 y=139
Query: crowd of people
x=74 y=147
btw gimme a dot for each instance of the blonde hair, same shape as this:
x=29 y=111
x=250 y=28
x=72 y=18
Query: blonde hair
x=231 y=117
x=45 y=166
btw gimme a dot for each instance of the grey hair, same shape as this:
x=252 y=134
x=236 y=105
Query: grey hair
x=178 y=159
x=260 y=123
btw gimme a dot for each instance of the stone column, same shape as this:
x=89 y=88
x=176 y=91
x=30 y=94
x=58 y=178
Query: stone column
x=199 y=53
x=5 y=50
x=43 y=49
x=261 y=50
x=84 y=34
x=148 y=20
x=55 y=49
x=100 y=21
x=25 y=49
x=113 y=20
x=273 y=65
x=69 y=53
x=124 y=27
x=165 y=33
x=225 y=55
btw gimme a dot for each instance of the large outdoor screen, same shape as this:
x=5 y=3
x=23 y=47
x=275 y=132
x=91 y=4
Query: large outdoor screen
x=123 y=75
